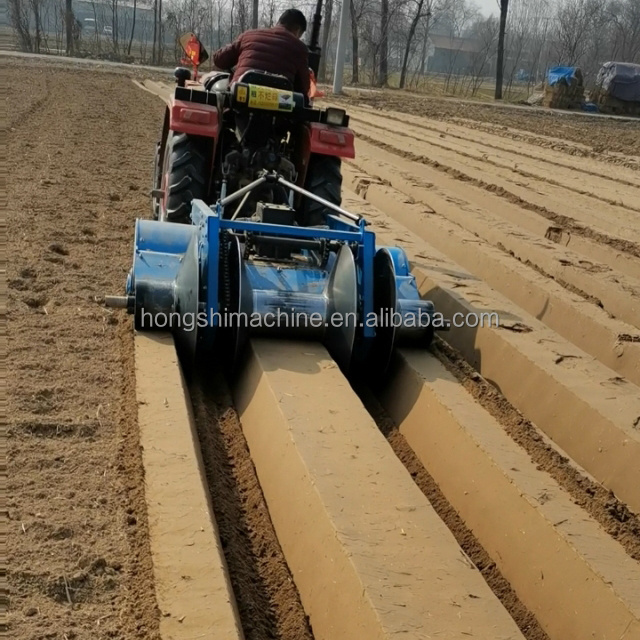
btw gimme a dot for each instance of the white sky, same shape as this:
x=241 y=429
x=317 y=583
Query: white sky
x=488 y=7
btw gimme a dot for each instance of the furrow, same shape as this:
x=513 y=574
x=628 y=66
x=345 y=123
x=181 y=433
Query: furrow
x=617 y=293
x=192 y=586
x=509 y=185
x=574 y=172
x=578 y=320
x=488 y=479
x=586 y=409
x=622 y=256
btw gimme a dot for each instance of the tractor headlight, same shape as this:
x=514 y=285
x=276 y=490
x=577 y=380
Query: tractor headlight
x=335 y=116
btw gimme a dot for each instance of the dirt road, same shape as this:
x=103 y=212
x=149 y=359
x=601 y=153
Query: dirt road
x=491 y=487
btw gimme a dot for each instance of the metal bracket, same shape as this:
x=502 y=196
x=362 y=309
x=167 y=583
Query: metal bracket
x=274 y=177
x=120 y=302
x=157 y=193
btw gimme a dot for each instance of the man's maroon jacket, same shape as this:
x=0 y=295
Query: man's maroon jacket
x=274 y=50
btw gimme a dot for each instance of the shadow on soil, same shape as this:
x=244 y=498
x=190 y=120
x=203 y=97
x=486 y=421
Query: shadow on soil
x=268 y=602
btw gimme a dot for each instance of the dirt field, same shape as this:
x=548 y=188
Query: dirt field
x=591 y=135
x=522 y=442
x=79 y=558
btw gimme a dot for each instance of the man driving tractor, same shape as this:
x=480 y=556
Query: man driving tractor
x=277 y=50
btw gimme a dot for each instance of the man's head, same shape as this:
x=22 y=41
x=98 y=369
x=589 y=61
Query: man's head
x=294 y=21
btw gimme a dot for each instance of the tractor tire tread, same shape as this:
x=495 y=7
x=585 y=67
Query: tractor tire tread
x=157 y=182
x=187 y=180
x=324 y=179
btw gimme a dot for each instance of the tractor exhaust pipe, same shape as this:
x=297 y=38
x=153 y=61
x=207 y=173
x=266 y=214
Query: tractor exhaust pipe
x=314 y=47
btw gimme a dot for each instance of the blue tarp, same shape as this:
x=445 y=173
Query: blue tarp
x=556 y=74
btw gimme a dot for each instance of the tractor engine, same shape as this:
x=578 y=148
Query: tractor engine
x=258 y=145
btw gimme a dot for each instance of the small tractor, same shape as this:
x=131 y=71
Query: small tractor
x=249 y=237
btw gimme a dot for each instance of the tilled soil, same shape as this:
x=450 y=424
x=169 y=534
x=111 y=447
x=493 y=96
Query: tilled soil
x=78 y=172
x=79 y=557
x=599 y=136
x=613 y=515
x=80 y=149
x=442 y=191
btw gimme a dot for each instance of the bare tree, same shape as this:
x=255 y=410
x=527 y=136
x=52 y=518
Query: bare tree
x=624 y=17
x=154 y=50
x=37 y=40
x=133 y=26
x=328 y=19
x=421 y=10
x=19 y=16
x=485 y=32
x=389 y=38
x=384 y=43
x=269 y=9
x=575 y=21
x=358 y=9
x=504 y=8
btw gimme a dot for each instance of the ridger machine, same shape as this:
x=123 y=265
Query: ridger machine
x=249 y=235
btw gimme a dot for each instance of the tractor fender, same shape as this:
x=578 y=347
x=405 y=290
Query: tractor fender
x=192 y=118
x=330 y=140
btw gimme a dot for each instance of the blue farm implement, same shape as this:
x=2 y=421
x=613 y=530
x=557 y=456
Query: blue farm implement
x=249 y=236
x=220 y=280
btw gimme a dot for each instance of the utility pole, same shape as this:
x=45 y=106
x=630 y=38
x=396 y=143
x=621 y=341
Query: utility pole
x=342 y=47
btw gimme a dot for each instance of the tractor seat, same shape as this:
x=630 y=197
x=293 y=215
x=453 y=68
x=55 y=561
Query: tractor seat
x=264 y=79
x=216 y=81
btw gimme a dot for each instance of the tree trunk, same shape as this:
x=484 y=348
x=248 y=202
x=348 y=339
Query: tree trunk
x=20 y=23
x=354 y=45
x=322 y=72
x=383 y=80
x=425 y=46
x=254 y=21
x=407 y=49
x=160 y=34
x=155 y=33
x=504 y=6
x=114 y=26
x=36 y=18
x=133 y=26
x=68 y=20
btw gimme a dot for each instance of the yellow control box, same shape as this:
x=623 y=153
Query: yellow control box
x=267 y=98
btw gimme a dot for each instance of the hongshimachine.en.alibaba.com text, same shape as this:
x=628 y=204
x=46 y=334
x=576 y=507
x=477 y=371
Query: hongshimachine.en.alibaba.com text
x=302 y=320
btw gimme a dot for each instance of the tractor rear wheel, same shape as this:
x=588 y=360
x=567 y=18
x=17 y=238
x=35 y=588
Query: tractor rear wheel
x=183 y=178
x=157 y=182
x=324 y=179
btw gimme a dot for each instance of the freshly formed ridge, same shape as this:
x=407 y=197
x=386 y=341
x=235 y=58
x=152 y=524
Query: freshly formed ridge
x=584 y=407
x=370 y=557
x=192 y=587
x=489 y=479
x=578 y=320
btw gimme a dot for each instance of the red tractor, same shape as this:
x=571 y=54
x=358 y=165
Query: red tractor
x=252 y=171
x=219 y=137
